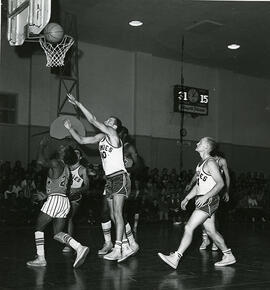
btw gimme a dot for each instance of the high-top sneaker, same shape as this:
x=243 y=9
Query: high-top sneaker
x=172 y=259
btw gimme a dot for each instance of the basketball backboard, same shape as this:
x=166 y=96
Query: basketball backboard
x=26 y=19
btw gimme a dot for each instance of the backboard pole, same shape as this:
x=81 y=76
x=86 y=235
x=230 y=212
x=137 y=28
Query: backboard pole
x=0 y=30
x=29 y=134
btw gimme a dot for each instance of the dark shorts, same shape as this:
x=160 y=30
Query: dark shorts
x=117 y=184
x=76 y=197
x=210 y=206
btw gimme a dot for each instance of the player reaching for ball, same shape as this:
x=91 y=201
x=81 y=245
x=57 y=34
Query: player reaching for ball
x=131 y=161
x=117 y=179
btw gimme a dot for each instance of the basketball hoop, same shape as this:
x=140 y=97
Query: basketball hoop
x=55 y=54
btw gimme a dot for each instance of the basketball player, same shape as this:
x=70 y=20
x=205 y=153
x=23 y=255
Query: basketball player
x=80 y=184
x=57 y=205
x=130 y=160
x=209 y=183
x=224 y=193
x=117 y=179
x=135 y=167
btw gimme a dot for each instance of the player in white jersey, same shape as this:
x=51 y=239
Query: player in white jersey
x=131 y=162
x=117 y=179
x=209 y=183
x=224 y=193
x=79 y=185
x=57 y=205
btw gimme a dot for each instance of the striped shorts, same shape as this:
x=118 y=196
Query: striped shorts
x=210 y=206
x=56 y=206
x=118 y=183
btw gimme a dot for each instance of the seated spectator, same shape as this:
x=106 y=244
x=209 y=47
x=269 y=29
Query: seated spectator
x=163 y=208
x=16 y=188
x=28 y=186
x=8 y=193
x=17 y=170
x=256 y=212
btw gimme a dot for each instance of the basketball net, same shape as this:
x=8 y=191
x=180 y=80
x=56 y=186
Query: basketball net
x=55 y=54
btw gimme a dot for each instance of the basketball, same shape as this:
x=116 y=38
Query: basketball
x=53 y=32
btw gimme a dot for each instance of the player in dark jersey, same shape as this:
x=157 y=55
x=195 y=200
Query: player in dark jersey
x=208 y=185
x=117 y=179
x=57 y=206
x=135 y=167
x=80 y=184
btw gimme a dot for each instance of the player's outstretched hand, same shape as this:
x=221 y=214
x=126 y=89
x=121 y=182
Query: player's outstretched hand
x=67 y=124
x=72 y=99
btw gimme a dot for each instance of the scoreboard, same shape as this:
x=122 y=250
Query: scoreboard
x=190 y=100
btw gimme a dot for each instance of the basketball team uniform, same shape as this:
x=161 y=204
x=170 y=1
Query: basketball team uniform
x=117 y=178
x=205 y=183
x=57 y=204
x=77 y=182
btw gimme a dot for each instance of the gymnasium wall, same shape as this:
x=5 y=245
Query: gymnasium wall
x=138 y=88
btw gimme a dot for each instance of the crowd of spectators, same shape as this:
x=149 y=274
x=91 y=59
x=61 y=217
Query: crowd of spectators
x=155 y=198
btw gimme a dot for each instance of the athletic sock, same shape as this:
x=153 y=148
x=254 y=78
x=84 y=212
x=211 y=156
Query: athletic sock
x=106 y=228
x=39 y=239
x=180 y=255
x=125 y=243
x=118 y=245
x=205 y=236
x=68 y=240
x=227 y=252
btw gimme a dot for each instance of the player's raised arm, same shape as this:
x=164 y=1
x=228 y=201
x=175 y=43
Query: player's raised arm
x=89 y=116
x=81 y=139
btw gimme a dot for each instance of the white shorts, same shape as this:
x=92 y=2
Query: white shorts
x=56 y=206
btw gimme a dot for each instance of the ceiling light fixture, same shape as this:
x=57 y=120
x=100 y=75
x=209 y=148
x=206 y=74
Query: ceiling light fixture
x=233 y=46
x=135 y=23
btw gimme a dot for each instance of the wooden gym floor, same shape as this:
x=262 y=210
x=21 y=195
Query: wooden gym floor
x=250 y=244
